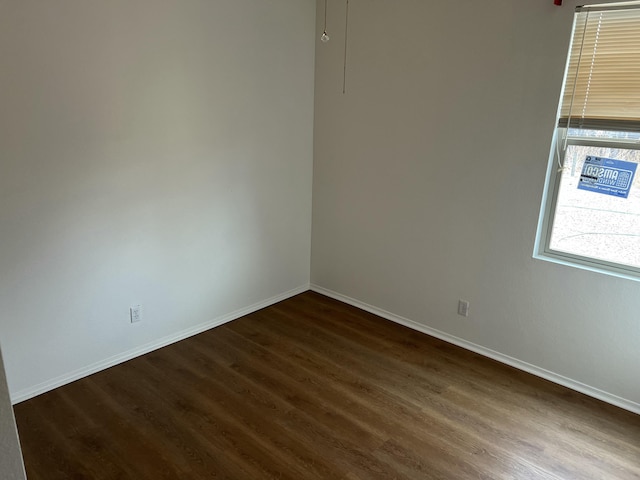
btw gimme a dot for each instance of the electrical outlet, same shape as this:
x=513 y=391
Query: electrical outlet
x=136 y=313
x=463 y=308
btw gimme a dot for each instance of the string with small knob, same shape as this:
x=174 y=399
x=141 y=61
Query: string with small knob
x=324 y=38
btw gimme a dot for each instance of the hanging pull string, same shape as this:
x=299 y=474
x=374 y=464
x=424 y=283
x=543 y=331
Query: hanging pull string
x=593 y=57
x=325 y=38
x=565 y=139
x=346 y=33
x=325 y=16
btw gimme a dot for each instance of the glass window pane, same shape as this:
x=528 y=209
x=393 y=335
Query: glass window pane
x=604 y=134
x=593 y=224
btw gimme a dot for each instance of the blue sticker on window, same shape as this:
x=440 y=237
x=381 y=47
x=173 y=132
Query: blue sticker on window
x=607 y=176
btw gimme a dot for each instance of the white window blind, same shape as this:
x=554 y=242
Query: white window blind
x=602 y=88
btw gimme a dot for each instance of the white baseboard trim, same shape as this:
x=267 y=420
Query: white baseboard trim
x=513 y=362
x=61 y=380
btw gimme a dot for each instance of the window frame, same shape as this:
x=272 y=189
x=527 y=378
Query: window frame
x=547 y=216
x=553 y=178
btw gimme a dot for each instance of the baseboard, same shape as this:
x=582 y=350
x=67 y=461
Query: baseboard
x=513 y=362
x=61 y=380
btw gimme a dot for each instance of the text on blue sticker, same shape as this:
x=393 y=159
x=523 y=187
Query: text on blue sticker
x=607 y=176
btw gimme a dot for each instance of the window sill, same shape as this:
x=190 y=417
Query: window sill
x=587 y=265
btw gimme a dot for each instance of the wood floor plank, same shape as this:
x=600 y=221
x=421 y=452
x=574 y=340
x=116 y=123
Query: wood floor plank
x=377 y=399
x=330 y=428
x=212 y=397
x=311 y=388
x=192 y=454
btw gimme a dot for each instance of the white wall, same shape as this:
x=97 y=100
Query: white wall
x=428 y=176
x=154 y=152
x=11 y=467
x=158 y=152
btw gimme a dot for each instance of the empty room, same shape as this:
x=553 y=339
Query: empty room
x=319 y=239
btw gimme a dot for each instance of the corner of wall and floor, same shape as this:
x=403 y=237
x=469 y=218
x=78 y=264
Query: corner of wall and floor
x=428 y=176
x=175 y=172
x=155 y=154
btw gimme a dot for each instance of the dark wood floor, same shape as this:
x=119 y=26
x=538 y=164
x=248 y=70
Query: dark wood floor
x=311 y=388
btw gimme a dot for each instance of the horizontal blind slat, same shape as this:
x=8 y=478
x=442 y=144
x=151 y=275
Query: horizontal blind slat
x=603 y=75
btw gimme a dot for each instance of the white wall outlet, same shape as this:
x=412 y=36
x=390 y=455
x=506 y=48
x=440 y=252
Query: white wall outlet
x=135 y=313
x=463 y=308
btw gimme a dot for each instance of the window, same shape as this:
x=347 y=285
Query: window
x=591 y=210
